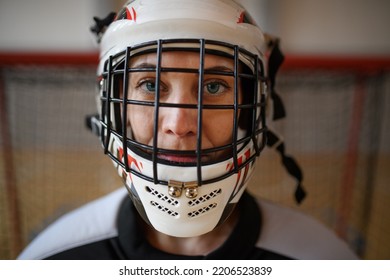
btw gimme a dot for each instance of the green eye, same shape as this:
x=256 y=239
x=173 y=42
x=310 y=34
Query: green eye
x=214 y=88
x=150 y=86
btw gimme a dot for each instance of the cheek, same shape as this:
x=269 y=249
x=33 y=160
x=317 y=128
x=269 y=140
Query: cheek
x=140 y=118
x=218 y=127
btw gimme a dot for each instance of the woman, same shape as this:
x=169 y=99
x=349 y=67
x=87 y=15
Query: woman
x=183 y=91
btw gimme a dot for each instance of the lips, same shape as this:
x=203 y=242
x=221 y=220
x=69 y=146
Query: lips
x=178 y=158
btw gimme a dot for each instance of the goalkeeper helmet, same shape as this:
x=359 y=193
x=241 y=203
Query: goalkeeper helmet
x=182 y=190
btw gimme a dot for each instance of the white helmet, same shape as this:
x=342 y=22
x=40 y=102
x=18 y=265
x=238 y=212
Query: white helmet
x=177 y=199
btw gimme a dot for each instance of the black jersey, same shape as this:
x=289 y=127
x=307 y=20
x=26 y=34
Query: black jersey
x=109 y=228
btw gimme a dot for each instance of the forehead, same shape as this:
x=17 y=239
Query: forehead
x=183 y=59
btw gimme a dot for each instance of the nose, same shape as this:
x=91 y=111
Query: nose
x=178 y=121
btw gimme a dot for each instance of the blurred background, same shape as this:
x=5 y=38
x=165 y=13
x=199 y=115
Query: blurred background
x=335 y=84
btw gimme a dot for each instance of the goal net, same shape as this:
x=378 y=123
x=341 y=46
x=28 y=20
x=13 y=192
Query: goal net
x=337 y=129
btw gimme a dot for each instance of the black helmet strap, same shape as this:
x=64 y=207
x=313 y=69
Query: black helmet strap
x=275 y=60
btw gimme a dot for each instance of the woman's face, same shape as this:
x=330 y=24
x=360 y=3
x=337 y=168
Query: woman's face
x=178 y=127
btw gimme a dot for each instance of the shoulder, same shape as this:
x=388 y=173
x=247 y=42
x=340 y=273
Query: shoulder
x=92 y=222
x=299 y=236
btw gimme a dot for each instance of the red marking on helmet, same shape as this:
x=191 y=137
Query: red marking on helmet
x=134 y=14
x=230 y=165
x=128 y=14
x=241 y=18
x=240 y=182
x=130 y=159
x=131 y=15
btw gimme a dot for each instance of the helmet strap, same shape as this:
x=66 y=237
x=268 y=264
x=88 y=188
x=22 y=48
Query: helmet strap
x=275 y=60
x=292 y=167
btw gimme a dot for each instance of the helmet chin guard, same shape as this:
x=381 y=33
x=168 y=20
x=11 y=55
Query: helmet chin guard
x=181 y=207
x=183 y=199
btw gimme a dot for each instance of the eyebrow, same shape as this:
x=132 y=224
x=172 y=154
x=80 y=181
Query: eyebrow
x=143 y=65
x=209 y=70
x=220 y=69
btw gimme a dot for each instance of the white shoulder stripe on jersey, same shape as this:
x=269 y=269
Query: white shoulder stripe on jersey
x=296 y=235
x=92 y=222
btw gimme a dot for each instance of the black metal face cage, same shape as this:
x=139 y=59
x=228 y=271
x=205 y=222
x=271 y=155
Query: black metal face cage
x=117 y=68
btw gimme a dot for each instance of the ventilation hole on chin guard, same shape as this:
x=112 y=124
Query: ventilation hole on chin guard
x=161 y=196
x=204 y=198
x=164 y=209
x=200 y=211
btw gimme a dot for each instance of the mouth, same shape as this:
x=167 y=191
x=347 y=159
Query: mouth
x=178 y=158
